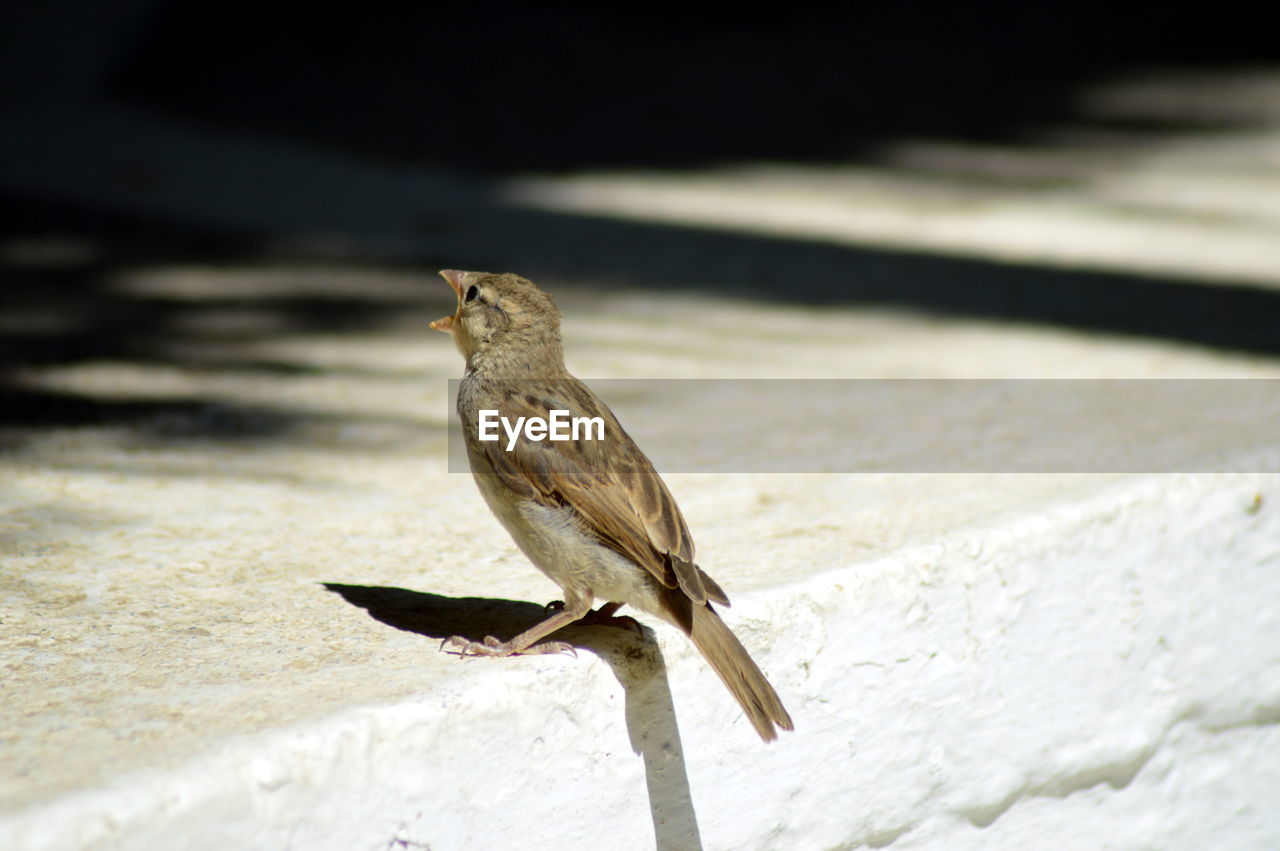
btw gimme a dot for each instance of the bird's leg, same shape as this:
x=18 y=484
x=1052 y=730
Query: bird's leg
x=527 y=642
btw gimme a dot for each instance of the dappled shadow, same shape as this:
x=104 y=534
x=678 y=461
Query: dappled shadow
x=170 y=419
x=235 y=137
x=66 y=302
x=636 y=662
x=604 y=253
x=66 y=317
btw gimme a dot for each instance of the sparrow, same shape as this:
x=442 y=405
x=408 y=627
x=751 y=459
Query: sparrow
x=591 y=514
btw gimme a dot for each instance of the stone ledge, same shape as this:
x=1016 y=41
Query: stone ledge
x=1103 y=670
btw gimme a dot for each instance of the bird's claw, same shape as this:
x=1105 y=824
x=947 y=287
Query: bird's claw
x=466 y=647
x=493 y=647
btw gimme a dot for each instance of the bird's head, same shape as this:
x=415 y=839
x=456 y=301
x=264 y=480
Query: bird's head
x=502 y=321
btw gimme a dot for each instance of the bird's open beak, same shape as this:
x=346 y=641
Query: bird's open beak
x=456 y=280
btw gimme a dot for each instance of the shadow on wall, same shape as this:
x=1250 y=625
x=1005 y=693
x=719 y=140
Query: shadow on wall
x=636 y=662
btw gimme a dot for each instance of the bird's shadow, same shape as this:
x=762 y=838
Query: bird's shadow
x=635 y=660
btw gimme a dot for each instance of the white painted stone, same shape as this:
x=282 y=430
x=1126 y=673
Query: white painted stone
x=1100 y=673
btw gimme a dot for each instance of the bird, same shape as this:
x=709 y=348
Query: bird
x=591 y=513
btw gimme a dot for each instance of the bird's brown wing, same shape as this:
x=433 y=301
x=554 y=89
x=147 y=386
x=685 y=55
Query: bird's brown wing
x=612 y=487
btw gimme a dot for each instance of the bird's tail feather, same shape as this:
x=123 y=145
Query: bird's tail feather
x=731 y=662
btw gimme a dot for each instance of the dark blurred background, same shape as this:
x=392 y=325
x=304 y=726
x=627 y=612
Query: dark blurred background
x=509 y=87
x=141 y=133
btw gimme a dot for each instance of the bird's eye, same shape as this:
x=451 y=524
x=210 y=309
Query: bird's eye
x=472 y=292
